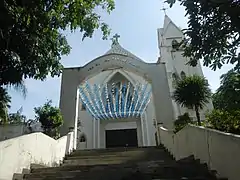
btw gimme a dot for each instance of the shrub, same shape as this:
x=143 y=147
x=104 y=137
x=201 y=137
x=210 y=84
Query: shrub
x=181 y=122
x=50 y=118
x=227 y=121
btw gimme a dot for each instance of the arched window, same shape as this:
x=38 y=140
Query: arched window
x=174 y=79
x=183 y=75
x=82 y=138
x=175 y=44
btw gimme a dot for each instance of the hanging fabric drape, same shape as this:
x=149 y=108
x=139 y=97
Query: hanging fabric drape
x=120 y=100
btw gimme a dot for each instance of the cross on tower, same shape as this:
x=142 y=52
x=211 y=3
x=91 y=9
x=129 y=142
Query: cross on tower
x=115 y=39
x=164 y=9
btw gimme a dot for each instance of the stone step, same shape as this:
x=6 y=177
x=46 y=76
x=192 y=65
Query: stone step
x=165 y=171
x=114 y=150
x=118 y=159
x=109 y=161
x=123 y=164
x=115 y=154
x=103 y=159
x=85 y=162
x=156 y=171
x=114 y=175
x=123 y=178
x=104 y=166
x=142 y=166
x=123 y=155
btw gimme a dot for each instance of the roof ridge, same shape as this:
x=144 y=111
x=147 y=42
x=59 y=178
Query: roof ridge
x=118 y=49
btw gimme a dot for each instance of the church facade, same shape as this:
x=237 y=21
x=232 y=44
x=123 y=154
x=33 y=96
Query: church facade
x=118 y=99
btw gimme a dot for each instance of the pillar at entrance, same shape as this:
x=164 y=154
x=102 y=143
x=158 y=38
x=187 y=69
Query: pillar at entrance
x=98 y=136
x=94 y=133
x=143 y=132
x=147 y=132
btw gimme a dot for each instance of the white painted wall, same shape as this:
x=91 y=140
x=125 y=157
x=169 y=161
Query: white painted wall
x=120 y=125
x=219 y=150
x=150 y=113
x=87 y=127
x=20 y=152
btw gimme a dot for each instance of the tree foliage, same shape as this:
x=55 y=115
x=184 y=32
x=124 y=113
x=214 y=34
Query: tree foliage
x=181 y=122
x=32 y=39
x=50 y=118
x=227 y=96
x=5 y=101
x=213 y=32
x=192 y=92
x=224 y=121
x=19 y=87
x=17 y=118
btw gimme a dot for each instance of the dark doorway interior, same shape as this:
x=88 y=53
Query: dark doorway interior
x=121 y=138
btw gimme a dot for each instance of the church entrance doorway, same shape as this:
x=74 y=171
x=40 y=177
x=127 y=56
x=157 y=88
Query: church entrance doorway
x=121 y=138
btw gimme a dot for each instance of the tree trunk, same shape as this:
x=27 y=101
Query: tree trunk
x=198 y=115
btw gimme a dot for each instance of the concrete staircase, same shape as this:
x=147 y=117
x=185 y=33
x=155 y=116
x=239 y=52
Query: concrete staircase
x=123 y=164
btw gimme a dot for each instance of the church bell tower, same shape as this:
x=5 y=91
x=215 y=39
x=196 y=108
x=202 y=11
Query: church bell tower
x=176 y=64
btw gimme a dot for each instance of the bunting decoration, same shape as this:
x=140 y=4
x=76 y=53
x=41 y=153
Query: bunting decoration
x=113 y=101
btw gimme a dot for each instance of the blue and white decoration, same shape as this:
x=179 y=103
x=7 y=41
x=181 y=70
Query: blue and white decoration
x=112 y=101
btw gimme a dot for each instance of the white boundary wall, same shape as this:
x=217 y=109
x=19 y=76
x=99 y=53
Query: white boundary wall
x=20 y=152
x=221 y=151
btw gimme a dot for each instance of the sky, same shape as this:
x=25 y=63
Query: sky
x=136 y=21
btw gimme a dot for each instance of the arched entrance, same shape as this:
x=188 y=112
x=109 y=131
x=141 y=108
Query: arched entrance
x=113 y=105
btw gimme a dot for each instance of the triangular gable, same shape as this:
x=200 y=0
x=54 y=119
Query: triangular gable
x=170 y=29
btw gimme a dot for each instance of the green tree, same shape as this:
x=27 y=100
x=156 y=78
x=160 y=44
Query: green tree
x=213 y=32
x=50 y=118
x=227 y=96
x=224 y=120
x=17 y=118
x=32 y=38
x=5 y=101
x=192 y=92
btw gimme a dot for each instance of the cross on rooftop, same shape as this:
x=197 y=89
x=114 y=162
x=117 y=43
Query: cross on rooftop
x=115 y=39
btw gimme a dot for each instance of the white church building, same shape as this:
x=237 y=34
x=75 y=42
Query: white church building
x=118 y=99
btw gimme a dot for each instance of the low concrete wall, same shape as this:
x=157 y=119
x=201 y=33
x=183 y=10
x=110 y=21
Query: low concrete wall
x=221 y=151
x=20 y=152
x=12 y=131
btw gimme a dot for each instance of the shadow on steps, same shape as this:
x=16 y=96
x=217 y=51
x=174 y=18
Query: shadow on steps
x=123 y=164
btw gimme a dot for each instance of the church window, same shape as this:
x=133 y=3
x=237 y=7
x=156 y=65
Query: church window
x=83 y=138
x=183 y=75
x=175 y=44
